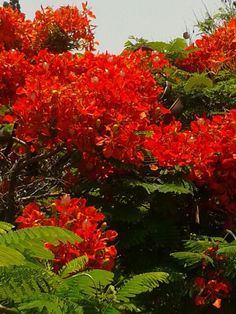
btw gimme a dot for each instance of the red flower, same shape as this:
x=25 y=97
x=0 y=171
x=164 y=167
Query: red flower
x=200 y=282
x=199 y=300
x=213 y=52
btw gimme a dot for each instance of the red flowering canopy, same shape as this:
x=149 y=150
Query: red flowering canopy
x=60 y=30
x=213 y=52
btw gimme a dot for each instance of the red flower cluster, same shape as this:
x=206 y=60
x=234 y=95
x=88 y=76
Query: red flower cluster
x=13 y=69
x=74 y=215
x=212 y=286
x=212 y=52
x=59 y=30
x=209 y=148
x=96 y=103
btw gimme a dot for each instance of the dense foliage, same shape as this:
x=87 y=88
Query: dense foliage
x=148 y=137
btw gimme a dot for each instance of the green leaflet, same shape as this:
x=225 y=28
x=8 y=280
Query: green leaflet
x=200 y=245
x=190 y=259
x=73 y=266
x=177 y=188
x=141 y=283
x=229 y=250
x=197 y=81
x=5 y=227
x=9 y=257
x=50 y=234
x=88 y=282
x=52 y=304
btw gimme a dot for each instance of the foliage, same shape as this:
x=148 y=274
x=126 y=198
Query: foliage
x=29 y=285
x=224 y=15
x=13 y=3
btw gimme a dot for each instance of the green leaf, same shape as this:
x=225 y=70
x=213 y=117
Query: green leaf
x=177 y=45
x=4 y=110
x=201 y=245
x=190 y=259
x=197 y=81
x=88 y=282
x=141 y=283
x=5 y=227
x=160 y=46
x=229 y=250
x=50 y=234
x=25 y=281
x=10 y=257
x=73 y=266
x=36 y=249
x=177 y=188
x=111 y=310
x=51 y=303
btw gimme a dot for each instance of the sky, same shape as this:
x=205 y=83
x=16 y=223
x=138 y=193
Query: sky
x=116 y=20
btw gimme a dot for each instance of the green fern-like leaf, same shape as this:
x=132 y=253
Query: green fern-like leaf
x=86 y=283
x=198 y=81
x=50 y=234
x=73 y=266
x=111 y=310
x=51 y=303
x=128 y=307
x=177 y=188
x=200 y=245
x=5 y=227
x=229 y=250
x=190 y=259
x=19 y=282
x=197 y=246
x=141 y=283
x=35 y=249
x=9 y=257
x=29 y=241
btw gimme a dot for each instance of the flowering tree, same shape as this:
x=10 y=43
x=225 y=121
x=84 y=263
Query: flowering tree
x=110 y=128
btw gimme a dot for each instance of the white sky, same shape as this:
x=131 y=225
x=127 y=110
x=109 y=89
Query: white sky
x=151 y=19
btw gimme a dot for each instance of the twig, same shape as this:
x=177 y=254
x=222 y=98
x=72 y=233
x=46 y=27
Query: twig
x=13 y=178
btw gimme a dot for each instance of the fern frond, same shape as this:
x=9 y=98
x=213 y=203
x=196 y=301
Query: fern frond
x=229 y=250
x=50 y=234
x=19 y=282
x=130 y=307
x=197 y=246
x=31 y=240
x=200 y=245
x=175 y=187
x=190 y=259
x=5 y=227
x=73 y=266
x=141 y=283
x=86 y=283
x=51 y=303
x=35 y=249
x=9 y=257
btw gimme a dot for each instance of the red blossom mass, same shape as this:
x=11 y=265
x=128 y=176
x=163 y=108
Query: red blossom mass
x=96 y=103
x=209 y=148
x=60 y=30
x=212 y=287
x=102 y=106
x=74 y=215
x=212 y=52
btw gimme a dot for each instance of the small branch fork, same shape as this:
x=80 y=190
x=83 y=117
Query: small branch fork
x=16 y=170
